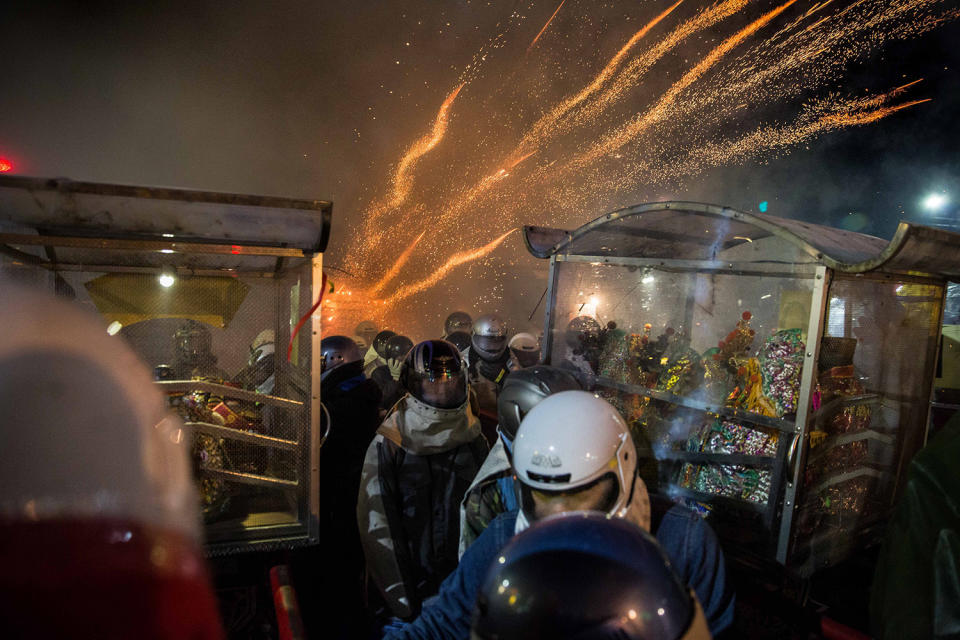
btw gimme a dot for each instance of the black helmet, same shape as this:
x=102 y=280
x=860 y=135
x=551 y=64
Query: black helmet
x=193 y=342
x=380 y=342
x=433 y=373
x=336 y=351
x=524 y=389
x=589 y=577
x=459 y=338
x=397 y=348
x=580 y=330
x=457 y=321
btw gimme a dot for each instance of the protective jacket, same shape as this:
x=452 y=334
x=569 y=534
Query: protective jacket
x=684 y=536
x=391 y=389
x=490 y=494
x=414 y=476
x=486 y=377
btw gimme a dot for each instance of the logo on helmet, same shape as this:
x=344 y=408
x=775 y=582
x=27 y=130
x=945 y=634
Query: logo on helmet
x=543 y=460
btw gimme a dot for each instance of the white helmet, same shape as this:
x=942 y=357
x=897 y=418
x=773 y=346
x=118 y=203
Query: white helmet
x=525 y=348
x=574 y=452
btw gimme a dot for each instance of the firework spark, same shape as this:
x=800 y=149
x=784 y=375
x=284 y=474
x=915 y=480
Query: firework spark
x=395 y=269
x=452 y=262
x=545 y=26
x=621 y=129
x=619 y=138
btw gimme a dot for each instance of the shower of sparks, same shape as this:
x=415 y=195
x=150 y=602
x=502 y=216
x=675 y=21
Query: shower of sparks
x=631 y=121
x=453 y=261
x=395 y=269
x=546 y=25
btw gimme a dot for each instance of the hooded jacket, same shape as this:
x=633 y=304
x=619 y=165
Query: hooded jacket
x=415 y=473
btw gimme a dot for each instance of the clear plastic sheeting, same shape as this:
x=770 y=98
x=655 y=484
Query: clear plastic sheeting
x=774 y=376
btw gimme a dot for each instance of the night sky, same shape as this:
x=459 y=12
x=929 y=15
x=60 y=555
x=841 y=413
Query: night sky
x=322 y=99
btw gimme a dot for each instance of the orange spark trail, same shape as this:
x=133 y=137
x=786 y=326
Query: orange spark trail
x=564 y=107
x=453 y=261
x=395 y=269
x=618 y=139
x=545 y=26
x=401 y=181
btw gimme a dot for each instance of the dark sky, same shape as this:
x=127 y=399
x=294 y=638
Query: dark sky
x=320 y=100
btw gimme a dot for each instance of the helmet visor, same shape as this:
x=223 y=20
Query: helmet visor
x=599 y=495
x=490 y=344
x=442 y=389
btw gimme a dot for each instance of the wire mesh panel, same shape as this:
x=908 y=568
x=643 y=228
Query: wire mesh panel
x=877 y=358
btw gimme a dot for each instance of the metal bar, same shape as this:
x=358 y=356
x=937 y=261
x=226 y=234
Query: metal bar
x=727 y=412
x=250 y=478
x=717 y=499
x=548 y=312
x=147 y=245
x=718 y=458
x=818 y=307
x=838 y=441
x=186 y=386
x=888 y=276
x=827 y=411
x=316 y=406
x=111 y=268
x=846 y=476
x=228 y=433
x=793 y=270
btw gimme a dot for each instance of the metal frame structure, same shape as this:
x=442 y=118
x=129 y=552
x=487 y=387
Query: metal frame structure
x=125 y=222
x=915 y=254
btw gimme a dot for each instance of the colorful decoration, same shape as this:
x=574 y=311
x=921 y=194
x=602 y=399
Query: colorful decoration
x=781 y=363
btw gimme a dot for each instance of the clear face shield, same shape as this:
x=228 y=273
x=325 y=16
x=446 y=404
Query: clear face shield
x=443 y=390
x=599 y=495
x=490 y=345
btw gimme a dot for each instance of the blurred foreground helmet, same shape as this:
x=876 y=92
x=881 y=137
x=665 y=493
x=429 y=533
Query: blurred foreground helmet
x=573 y=452
x=489 y=337
x=193 y=343
x=525 y=348
x=459 y=338
x=366 y=331
x=433 y=373
x=397 y=348
x=336 y=351
x=581 y=329
x=585 y=577
x=99 y=522
x=457 y=321
x=380 y=342
x=524 y=389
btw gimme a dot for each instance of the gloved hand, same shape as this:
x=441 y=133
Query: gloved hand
x=395 y=366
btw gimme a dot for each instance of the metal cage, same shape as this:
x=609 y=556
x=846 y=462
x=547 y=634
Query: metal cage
x=776 y=374
x=207 y=288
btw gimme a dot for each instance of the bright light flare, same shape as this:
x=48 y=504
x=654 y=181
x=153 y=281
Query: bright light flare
x=6 y=166
x=935 y=202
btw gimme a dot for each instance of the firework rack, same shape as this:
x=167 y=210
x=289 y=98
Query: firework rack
x=207 y=288
x=776 y=375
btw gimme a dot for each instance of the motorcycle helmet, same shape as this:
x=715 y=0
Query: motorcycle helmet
x=380 y=342
x=585 y=576
x=525 y=348
x=457 y=321
x=489 y=337
x=573 y=452
x=336 y=351
x=524 y=389
x=433 y=372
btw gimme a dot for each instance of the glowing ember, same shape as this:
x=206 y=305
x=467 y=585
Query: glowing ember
x=545 y=26
x=5 y=165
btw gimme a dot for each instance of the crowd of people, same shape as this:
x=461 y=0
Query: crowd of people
x=434 y=500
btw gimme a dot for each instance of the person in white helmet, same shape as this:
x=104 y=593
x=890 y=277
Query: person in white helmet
x=487 y=359
x=524 y=351
x=573 y=452
x=99 y=518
